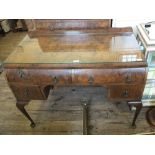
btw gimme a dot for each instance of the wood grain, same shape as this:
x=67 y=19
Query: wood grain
x=61 y=114
x=103 y=53
x=35 y=25
x=76 y=47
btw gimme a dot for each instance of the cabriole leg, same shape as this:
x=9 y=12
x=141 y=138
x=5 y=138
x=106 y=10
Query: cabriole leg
x=138 y=106
x=21 y=107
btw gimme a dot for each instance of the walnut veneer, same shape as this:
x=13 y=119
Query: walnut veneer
x=76 y=52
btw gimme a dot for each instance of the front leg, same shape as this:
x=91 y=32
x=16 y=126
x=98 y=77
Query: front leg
x=21 y=106
x=138 y=105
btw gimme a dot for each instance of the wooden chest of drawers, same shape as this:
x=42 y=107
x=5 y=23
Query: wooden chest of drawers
x=79 y=53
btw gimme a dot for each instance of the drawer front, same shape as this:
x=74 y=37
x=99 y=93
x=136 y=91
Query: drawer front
x=126 y=92
x=52 y=77
x=18 y=75
x=77 y=76
x=26 y=92
x=108 y=76
x=39 y=76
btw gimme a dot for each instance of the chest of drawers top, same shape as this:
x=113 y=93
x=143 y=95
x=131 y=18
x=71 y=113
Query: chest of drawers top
x=91 y=48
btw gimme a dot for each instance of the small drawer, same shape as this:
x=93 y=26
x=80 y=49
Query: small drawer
x=127 y=92
x=18 y=75
x=26 y=92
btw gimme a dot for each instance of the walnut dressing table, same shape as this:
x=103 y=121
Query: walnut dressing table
x=108 y=57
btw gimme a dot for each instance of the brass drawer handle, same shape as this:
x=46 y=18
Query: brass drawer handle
x=21 y=73
x=90 y=80
x=55 y=79
x=125 y=93
x=51 y=28
x=26 y=93
x=128 y=79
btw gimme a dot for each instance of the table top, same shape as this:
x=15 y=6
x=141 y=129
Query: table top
x=95 y=46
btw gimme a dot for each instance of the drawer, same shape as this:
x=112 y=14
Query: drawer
x=53 y=77
x=126 y=92
x=39 y=76
x=18 y=75
x=109 y=76
x=77 y=76
x=26 y=92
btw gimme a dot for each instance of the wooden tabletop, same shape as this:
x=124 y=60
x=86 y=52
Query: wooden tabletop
x=78 y=47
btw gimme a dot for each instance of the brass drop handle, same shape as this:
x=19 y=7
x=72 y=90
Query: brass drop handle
x=21 y=73
x=55 y=79
x=90 y=80
x=128 y=78
x=51 y=28
x=125 y=93
x=27 y=93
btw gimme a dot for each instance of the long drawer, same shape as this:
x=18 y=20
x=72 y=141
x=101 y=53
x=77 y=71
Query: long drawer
x=108 y=76
x=77 y=76
x=39 y=76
